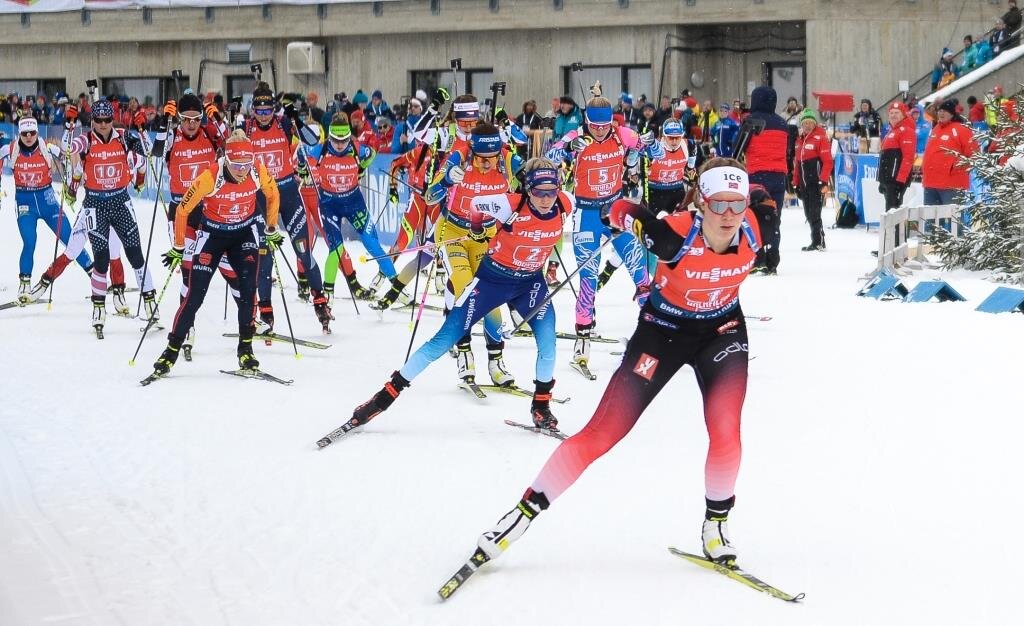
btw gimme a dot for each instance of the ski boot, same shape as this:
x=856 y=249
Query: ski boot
x=186 y=346
x=380 y=400
x=389 y=298
x=168 y=357
x=322 y=310
x=606 y=274
x=715 y=532
x=303 y=287
x=329 y=292
x=512 y=526
x=24 y=287
x=149 y=305
x=99 y=314
x=551 y=275
x=120 y=303
x=358 y=291
x=814 y=247
x=246 y=359
x=37 y=291
x=540 y=408
x=500 y=375
x=581 y=349
x=377 y=281
x=464 y=359
x=266 y=309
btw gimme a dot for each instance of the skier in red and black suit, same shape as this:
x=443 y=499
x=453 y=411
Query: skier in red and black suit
x=768 y=156
x=693 y=317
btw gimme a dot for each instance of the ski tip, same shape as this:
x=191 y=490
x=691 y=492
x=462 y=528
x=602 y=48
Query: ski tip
x=323 y=443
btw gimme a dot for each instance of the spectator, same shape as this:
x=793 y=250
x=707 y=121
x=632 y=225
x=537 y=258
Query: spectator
x=737 y=110
x=723 y=133
x=983 y=51
x=384 y=136
x=630 y=114
x=706 y=120
x=811 y=174
x=793 y=111
x=866 y=125
x=569 y=117
x=1012 y=20
x=976 y=114
x=84 y=110
x=528 y=119
x=998 y=40
x=769 y=158
x=943 y=174
x=970 y=59
x=360 y=101
x=315 y=112
x=60 y=106
x=921 y=127
x=555 y=105
x=945 y=71
x=647 y=115
x=41 y=109
x=993 y=102
x=898 y=153
x=664 y=111
x=377 y=107
x=404 y=141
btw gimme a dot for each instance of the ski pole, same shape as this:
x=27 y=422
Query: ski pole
x=544 y=303
x=152 y=320
x=423 y=302
x=156 y=204
x=565 y=271
x=416 y=283
x=284 y=300
x=366 y=259
x=225 y=300
x=60 y=219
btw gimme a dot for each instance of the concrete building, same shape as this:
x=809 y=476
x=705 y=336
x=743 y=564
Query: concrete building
x=719 y=49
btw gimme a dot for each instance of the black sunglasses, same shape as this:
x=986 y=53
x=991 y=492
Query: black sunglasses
x=28 y=133
x=103 y=120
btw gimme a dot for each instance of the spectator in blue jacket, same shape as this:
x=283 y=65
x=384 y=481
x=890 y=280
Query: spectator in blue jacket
x=923 y=128
x=378 y=107
x=569 y=117
x=723 y=133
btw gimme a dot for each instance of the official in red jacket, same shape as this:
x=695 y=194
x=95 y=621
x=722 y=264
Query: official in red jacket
x=943 y=173
x=897 y=158
x=812 y=169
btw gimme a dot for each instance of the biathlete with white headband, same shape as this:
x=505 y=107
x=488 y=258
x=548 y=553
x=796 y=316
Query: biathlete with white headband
x=692 y=317
x=511 y=273
x=227 y=192
x=598 y=155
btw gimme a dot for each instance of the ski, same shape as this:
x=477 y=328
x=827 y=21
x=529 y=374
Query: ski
x=519 y=392
x=257 y=374
x=760 y=318
x=19 y=303
x=337 y=433
x=560 y=335
x=583 y=369
x=111 y=290
x=737 y=574
x=473 y=388
x=460 y=577
x=550 y=432
x=285 y=339
x=412 y=306
x=151 y=378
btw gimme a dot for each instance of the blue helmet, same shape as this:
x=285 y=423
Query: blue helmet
x=672 y=128
x=102 y=108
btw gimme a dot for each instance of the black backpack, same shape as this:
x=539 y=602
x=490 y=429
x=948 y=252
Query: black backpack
x=846 y=216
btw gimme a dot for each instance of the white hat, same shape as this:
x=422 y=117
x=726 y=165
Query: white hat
x=421 y=95
x=28 y=124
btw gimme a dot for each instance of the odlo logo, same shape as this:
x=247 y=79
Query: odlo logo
x=732 y=348
x=646 y=365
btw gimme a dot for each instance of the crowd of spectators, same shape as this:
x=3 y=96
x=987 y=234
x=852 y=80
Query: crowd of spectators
x=977 y=52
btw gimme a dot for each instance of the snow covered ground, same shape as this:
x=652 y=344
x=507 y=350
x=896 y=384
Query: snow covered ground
x=878 y=436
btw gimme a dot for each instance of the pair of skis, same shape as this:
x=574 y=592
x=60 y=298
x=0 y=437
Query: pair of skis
x=254 y=373
x=732 y=571
x=480 y=391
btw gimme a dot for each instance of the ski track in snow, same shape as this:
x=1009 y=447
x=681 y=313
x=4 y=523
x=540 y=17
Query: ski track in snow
x=877 y=439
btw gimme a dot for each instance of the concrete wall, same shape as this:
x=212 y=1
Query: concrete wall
x=863 y=46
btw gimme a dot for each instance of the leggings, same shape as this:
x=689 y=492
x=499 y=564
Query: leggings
x=112 y=211
x=40 y=204
x=352 y=207
x=717 y=351
x=293 y=217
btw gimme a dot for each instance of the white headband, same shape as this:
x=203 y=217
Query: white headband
x=466 y=106
x=726 y=178
x=26 y=124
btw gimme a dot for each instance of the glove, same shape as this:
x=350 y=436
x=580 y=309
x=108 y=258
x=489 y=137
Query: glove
x=140 y=118
x=393 y=194
x=172 y=257
x=274 y=239
x=171 y=108
x=500 y=116
x=140 y=180
x=620 y=215
x=303 y=173
x=579 y=143
x=881 y=188
x=478 y=234
x=71 y=190
x=439 y=97
x=290 y=112
x=212 y=112
x=72 y=113
x=690 y=174
x=647 y=139
x=456 y=174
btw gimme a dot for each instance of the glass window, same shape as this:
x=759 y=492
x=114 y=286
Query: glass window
x=635 y=79
x=149 y=91
x=474 y=81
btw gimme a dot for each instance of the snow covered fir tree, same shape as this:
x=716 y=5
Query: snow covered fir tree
x=992 y=221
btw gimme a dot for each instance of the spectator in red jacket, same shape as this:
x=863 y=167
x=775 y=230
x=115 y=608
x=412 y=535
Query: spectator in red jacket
x=384 y=135
x=812 y=169
x=362 y=131
x=897 y=158
x=950 y=140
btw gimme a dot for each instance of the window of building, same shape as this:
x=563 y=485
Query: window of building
x=615 y=79
x=49 y=86
x=149 y=91
x=474 y=81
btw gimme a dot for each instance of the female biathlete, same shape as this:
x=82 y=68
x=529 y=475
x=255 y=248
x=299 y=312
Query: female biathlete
x=31 y=163
x=511 y=273
x=598 y=155
x=228 y=193
x=693 y=317
x=484 y=166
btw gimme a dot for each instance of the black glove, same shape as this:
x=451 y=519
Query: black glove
x=172 y=257
x=881 y=188
x=500 y=116
x=290 y=112
x=439 y=97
